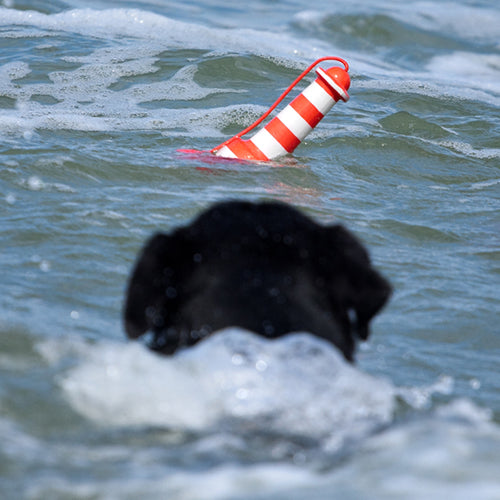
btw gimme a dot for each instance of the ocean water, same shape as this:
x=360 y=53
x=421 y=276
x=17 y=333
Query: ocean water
x=96 y=98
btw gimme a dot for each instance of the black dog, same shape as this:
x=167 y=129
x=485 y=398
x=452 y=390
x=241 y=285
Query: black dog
x=264 y=267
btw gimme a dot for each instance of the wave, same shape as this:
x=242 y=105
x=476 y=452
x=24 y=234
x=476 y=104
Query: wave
x=147 y=26
x=279 y=419
x=146 y=71
x=294 y=385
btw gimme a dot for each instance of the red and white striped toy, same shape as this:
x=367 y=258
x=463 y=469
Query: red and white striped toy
x=289 y=128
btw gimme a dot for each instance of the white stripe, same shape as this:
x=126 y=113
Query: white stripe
x=340 y=91
x=318 y=96
x=225 y=152
x=294 y=122
x=268 y=144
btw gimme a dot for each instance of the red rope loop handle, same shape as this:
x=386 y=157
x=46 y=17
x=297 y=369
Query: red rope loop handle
x=280 y=98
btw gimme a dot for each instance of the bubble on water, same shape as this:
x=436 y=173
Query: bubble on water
x=45 y=266
x=475 y=383
x=10 y=198
x=35 y=183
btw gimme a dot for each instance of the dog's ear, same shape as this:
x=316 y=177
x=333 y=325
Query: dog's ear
x=370 y=293
x=362 y=290
x=152 y=283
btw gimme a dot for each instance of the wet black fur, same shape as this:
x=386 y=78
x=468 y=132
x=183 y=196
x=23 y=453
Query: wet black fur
x=265 y=267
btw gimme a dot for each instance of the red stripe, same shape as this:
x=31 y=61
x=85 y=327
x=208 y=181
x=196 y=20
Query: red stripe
x=282 y=134
x=246 y=150
x=311 y=114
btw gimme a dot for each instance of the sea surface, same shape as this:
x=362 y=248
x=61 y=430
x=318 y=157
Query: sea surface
x=96 y=99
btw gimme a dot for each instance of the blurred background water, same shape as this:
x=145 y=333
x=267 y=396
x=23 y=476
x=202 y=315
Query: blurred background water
x=96 y=98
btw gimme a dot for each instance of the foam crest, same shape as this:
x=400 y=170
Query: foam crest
x=475 y=23
x=99 y=23
x=451 y=73
x=165 y=32
x=297 y=384
x=472 y=73
x=434 y=83
x=417 y=458
x=467 y=21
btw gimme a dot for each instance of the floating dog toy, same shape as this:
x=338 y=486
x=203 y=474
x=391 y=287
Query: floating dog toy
x=289 y=128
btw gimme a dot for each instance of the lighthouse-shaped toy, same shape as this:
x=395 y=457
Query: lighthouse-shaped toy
x=289 y=128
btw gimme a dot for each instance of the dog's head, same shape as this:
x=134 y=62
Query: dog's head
x=265 y=267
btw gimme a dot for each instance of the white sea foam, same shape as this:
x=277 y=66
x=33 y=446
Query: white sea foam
x=236 y=381
x=297 y=384
x=467 y=21
x=468 y=150
x=447 y=443
x=457 y=74
x=84 y=97
x=164 y=31
x=84 y=100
